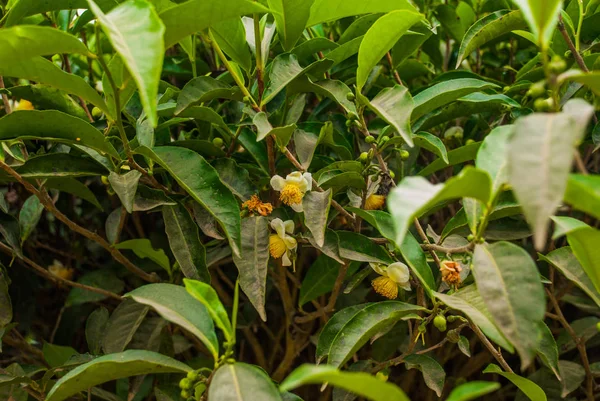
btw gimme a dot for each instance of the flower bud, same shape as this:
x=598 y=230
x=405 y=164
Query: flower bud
x=350 y=96
x=364 y=156
x=193 y=376
x=404 y=155
x=352 y=116
x=185 y=394
x=392 y=174
x=537 y=89
x=186 y=384
x=384 y=139
x=470 y=237
x=96 y=112
x=370 y=139
x=218 y=142
x=440 y=323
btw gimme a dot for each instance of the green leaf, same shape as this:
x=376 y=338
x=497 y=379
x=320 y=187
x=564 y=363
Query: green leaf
x=73 y=187
x=112 y=367
x=509 y=284
x=174 y=304
x=547 y=350
x=433 y=374
x=6 y=312
x=264 y=129
x=29 y=216
x=542 y=17
x=417 y=261
x=531 y=390
x=543 y=145
x=231 y=37
x=126 y=26
x=21 y=43
x=55 y=126
x=456 y=156
x=379 y=219
x=335 y=90
x=208 y=297
x=143 y=248
x=125 y=187
x=319 y=279
x=185 y=243
x=57 y=355
x=291 y=17
x=236 y=178
x=432 y=143
x=253 y=261
x=316 y=210
x=330 y=10
x=94 y=329
x=362 y=384
x=472 y=390
x=445 y=92
x=468 y=301
x=59 y=165
x=488 y=28
x=492 y=157
x=25 y=8
x=584 y=243
x=354 y=246
x=202 y=182
x=242 y=382
x=583 y=193
x=379 y=39
x=343 y=336
x=103 y=279
x=196 y=15
x=565 y=261
x=10 y=230
x=415 y=196
x=394 y=106
x=203 y=90
x=122 y=325
x=450 y=21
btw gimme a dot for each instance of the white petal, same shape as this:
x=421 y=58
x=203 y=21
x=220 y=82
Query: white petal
x=295 y=177
x=279 y=227
x=308 y=179
x=285 y=260
x=405 y=286
x=399 y=273
x=290 y=243
x=378 y=269
x=289 y=226
x=277 y=182
x=298 y=207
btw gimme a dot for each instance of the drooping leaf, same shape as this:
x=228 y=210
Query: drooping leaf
x=455 y=156
x=362 y=384
x=433 y=374
x=143 y=248
x=242 y=382
x=547 y=350
x=316 y=210
x=394 y=105
x=99 y=279
x=509 y=284
x=57 y=355
x=231 y=37
x=252 y=263
x=126 y=26
x=531 y=390
x=122 y=325
x=208 y=297
x=94 y=329
x=415 y=195
x=185 y=243
x=202 y=90
x=472 y=390
x=125 y=187
x=202 y=182
x=174 y=304
x=112 y=367
x=29 y=216
x=542 y=17
x=543 y=145
x=25 y=8
x=380 y=38
x=492 y=157
x=417 y=261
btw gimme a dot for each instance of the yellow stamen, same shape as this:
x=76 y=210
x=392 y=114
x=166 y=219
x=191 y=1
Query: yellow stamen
x=375 y=202
x=61 y=272
x=25 y=105
x=276 y=246
x=256 y=206
x=291 y=194
x=386 y=287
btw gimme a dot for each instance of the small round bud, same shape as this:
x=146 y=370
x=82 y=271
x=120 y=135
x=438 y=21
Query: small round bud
x=454 y=132
x=404 y=155
x=469 y=141
x=480 y=240
x=96 y=112
x=384 y=139
x=383 y=375
x=541 y=105
x=218 y=142
x=370 y=139
x=451 y=318
x=185 y=394
x=568 y=54
x=349 y=123
x=186 y=384
x=557 y=65
x=470 y=237
x=364 y=156
x=453 y=336
x=246 y=99
x=105 y=180
x=537 y=89
x=422 y=328
x=350 y=96
x=352 y=116
x=598 y=326
x=392 y=174
x=193 y=376
x=440 y=323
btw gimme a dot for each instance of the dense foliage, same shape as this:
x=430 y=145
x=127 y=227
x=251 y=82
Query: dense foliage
x=277 y=200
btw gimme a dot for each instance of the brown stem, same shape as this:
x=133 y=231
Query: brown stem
x=439 y=248
x=7 y=108
x=394 y=71
x=495 y=353
x=579 y=342
x=46 y=274
x=335 y=292
x=567 y=38
x=49 y=206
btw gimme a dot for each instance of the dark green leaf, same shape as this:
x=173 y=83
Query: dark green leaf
x=143 y=248
x=29 y=216
x=125 y=186
x=242 y=382
x=433 y=374
x=122 y=325
x=95 y=327
x=316 y=210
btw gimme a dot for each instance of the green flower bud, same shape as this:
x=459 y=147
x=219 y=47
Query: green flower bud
x=186 y=384
x=598 y=326
x=246 y=99
x=454 y=132
x=218 y=142
x=404 y=155
x=440 y=323
x=537 y=89
x=350 y=96
x=105 y=180
x=349 y=123
x=199 y=391
x=568 y=54
x=185 y=394
x=352 y=116
x=470 y=237
x=557 y=65
x=193 y=375
x=383 y=375
x=469 y=141
x=384 y=139
x=392 y=174
x=541 y=105
x=370 y=139
x=364 y=156
x=96 y=112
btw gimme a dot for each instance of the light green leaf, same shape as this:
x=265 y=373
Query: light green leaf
x=185 y=243
x=174 y=304
x=432 y=143
x=433 y=374
x=25 y=8
x=583 y=193
x=417 y=260
x=125 y=186
x=202 y=182
x=143 y=248
x=196 y=15
x=450 y=21
x=264 y=128
x=472 y=390
x=487 y=28
x=415 y=196
x=543 y=145
x=394 y=105
x=362 y=384
x=566 y=262
x=21 y=43
x=542 y=17
x=208 y=297
x=531 y=390
x=126 y=26
x=203 y=90
x=547 y=350
x=291 y=17
x=242 y=382
x=445 y=92
x=335 y=90
x=29 y=216
x=231 y=37
x=509 y=284
x=51 y=125
x=380 y=38
x=112 y=367
x=330 y=10
x=122 y=325
x=316 y=210
x=584 y=243
x=492 y=157
x=468 y=301
x=253 y=261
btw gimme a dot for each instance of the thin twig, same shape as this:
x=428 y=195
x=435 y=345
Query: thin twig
x=335 y=292
x=7 y=108
x=495 y=353
x=567 y=38
x=439 y=248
